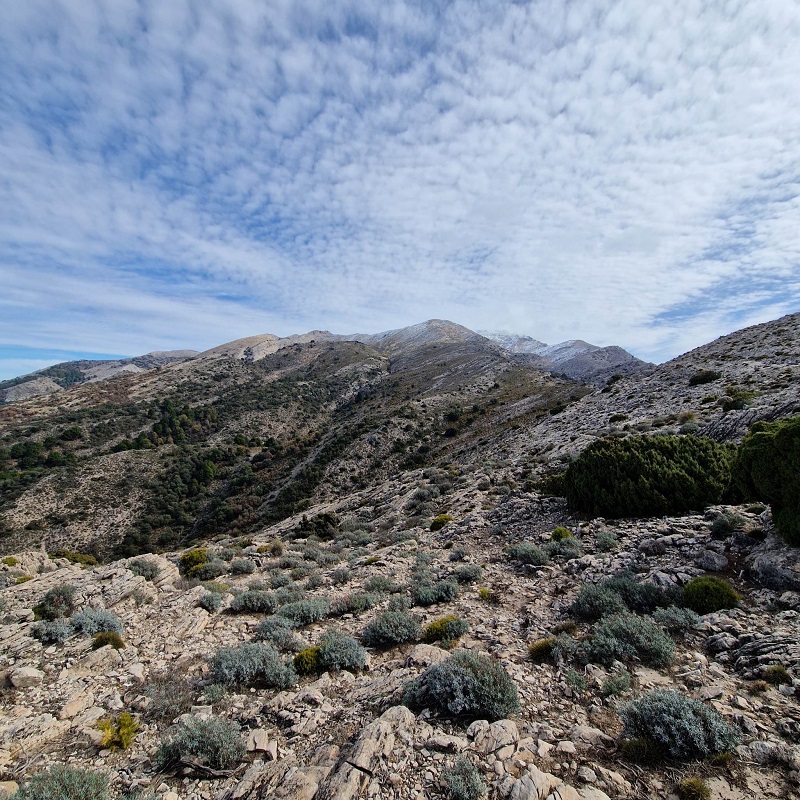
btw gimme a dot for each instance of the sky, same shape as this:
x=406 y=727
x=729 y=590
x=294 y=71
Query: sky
x=180 y=174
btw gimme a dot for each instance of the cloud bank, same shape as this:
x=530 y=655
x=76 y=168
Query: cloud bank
x=176 y=175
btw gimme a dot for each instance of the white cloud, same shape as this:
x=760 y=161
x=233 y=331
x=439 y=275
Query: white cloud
x=177 y=175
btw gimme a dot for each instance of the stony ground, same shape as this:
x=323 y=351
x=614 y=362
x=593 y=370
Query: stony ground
x=345 y=735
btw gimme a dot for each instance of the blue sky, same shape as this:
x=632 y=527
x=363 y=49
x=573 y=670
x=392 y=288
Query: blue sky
x=177 y=175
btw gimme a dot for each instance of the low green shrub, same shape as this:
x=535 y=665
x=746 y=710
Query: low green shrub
x=211 y=602
x=676 y=620
x=596 y=601
x=169 y=695
x=304 y=612
x=193 y=558
x=616 y=684
x=279 y=632
x=215 y=742
x=341 y=576
x=208 y=570
x=242 y=566
x=542 y=649
x=251 y=664
x=693 y=789
x=683 y=728
x=119 y=733
x=526 y=553
x=65 y=783
x=648 y=476
x=568 y=547
x=52 y=631
x=625 y=637
x=106 y=639
x=727 y=523
x=426 y=593
x=307 y=662
x=445 y=629
x=254 y=601
x=440 y=521
x=605 y=541
x=379 y=584
x=463 y=781
x=777 y=675
x=84 y=559
x=391 y=627
x=467 y=684
x=354 y=604
x=468 y=573
x=338 y=651
x=56 y=603
x=704 y=376
x=96 y=620
x=708 y=594
x=560 y=533
x=144 y=568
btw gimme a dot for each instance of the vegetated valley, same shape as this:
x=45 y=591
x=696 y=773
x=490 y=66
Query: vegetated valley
x=416 y=564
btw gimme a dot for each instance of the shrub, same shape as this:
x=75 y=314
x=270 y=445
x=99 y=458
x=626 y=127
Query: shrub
x=144 y=568
x=211 y=602
x=307 y=662
x=575 y=680
x=193 y=558
x=616 y=684
x=675 y=620
x=766 y=469
x=242 y=566
x=9 y=561
x=426 y=593
x=391 y=627
x=777 y=675
x=489 y=596
x=693 y=789
x=641 y=751
x=338 y=651
x=65 y=783
x=381 y=585
x=399 y=602
x=463 y=781
x=84 y=559
x=465 y=684
x=340 y=576
x=118 y=734
x=683 y=728
x=445 y=629
x=642 y=476
x=254 y=601
x=289 y=594
x=560 y=533
x=304 y=612
x=468 y=573
x=568 y=547
x=208 y=570
x=353 y=604
x=727 y=523
x=170 y=695
x=54 y=631
x=704 y=376
x=642 y=597
x=278 y=631
x=56 y=603
x=526 y=553
x=96 y=620
x=279 y=579
x=214 y=742
x=624 y=637
x=107 y=638
x=251 y=664
x=708 y=594
x=595 y=601
x=440 y=521
x=542 y=649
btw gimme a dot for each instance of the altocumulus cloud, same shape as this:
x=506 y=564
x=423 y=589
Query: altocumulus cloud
x=178 y=174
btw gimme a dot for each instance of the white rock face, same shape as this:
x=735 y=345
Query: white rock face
x=24 y=677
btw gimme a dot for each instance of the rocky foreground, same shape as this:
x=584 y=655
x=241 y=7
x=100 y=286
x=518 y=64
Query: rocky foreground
x=345 y=734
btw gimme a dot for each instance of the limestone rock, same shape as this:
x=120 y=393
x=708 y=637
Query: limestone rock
x=23 y=677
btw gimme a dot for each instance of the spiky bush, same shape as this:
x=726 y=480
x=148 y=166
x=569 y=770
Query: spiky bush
x=56 y=603
x=107 y=639
x=214 y=742
x=279 y=632
x=693 y=789
x=463 y=781
x=647 y=476
x=338 y=651
x=193 y=558
x=144 y=568
x=526 y=553
x=445 y=629
x=682 y=728
x=54 y=631
x=96 y=620
x=767 y=468
x=708 y=594
x=242 y=566
x=466 y=684
x=625 y=637
x=427 y=592
x=119 y=733
x=542 y=649
x=252 y=664
x=254 y=601
x=595 y=601
x=391 y=627
x=304 y=612
x=65 y=783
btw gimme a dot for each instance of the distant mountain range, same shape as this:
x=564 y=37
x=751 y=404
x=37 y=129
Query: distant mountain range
x=575 y=358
